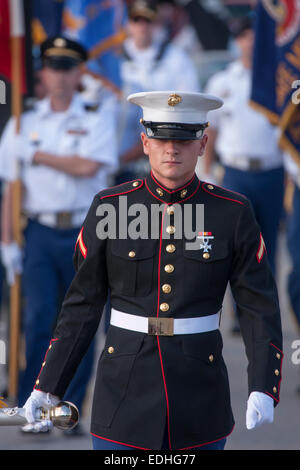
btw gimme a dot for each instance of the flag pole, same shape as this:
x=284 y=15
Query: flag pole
x=17 y=30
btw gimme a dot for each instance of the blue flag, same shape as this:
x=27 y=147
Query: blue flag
x=99 y=26
x=46 y=19
x=276 y=69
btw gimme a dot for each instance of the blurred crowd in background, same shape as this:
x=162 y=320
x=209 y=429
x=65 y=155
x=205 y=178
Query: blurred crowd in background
x=176 y=45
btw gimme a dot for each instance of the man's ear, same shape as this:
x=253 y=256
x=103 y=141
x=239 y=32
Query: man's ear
x=203 y=143
x=145 y=142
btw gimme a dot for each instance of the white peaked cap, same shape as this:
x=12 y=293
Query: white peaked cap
x=175 y=106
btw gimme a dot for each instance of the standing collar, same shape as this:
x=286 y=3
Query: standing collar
x=169 y=196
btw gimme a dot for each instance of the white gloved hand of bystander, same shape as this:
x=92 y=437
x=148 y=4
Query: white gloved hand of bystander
x=39 y=399
x=11 y=257
x=260 y=409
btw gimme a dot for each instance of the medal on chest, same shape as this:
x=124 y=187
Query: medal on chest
x=205 y=241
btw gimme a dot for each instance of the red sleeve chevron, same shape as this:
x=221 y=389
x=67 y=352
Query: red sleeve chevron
x=261 y=249
x=80 y=242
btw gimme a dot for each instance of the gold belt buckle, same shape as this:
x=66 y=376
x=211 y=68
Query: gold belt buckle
x=64 y=220
x=160 y=326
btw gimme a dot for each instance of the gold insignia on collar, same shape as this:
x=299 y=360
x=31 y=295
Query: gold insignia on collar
x=174 y=99
x=59 y=42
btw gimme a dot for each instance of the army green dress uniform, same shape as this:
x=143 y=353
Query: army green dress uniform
x=156 y=375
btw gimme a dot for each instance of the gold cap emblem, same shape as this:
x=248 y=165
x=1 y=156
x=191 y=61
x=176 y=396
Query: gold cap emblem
x=60 y=42
x=174 y=99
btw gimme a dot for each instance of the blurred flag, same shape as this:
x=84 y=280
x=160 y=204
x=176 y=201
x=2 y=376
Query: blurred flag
x=99 y=26
x=12 y=40
x=276 y=69
x=46 y=19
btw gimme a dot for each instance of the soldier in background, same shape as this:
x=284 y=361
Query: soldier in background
x=149 y=63
x=246 y=143
x=66 y=151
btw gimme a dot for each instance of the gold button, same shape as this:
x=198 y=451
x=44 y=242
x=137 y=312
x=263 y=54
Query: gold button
x=159 y=191
x=210 y=186
x=111 y=349
x=170 y=229
x=183 y=193
x=170 y=210
x=169 y=268
x=206 y=255
x=164 y=307
x=166 y=288
x=170 y=248
x=211 y=358
x=274 y=390
x=276 y=372
x=278 y=356
x=37 y=382
x=131 y=254
x=136 y=183
x=43 y=365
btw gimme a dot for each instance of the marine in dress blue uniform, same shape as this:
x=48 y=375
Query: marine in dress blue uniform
x=161 y=373
x=65 y=155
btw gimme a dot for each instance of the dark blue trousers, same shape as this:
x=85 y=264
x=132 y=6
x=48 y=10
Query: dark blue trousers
x=293 y=242
x=265 y=190
x=48 y=272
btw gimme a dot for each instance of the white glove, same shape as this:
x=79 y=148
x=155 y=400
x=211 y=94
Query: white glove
x=260 y=409
x=11 y=256
x=39 y=399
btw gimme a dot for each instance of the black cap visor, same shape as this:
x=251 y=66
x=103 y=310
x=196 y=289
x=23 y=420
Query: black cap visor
x=60 y=62
x=174 y=131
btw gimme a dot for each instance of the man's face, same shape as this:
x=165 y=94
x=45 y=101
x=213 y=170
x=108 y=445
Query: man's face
x=173 y=162
x=61 y=83
x=245 y=42
x=140 y=31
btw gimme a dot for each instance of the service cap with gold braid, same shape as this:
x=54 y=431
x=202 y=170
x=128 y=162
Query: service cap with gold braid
x=61 y=53
x=142 y=9
x=175 y=115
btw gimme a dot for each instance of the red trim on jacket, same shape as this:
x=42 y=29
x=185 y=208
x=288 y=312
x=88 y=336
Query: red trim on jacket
x=157 y=337
x=80 y=242
x=279 y=383
x=124 y=192
x=222 y=197
x=207 y=443
x=53 y=339
x=170 y=191
x=261 y=249
x=175 y=202
x=117 y=442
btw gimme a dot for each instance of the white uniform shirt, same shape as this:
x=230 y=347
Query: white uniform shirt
x=174 y=71
x=242 y=131
x=77 y=131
